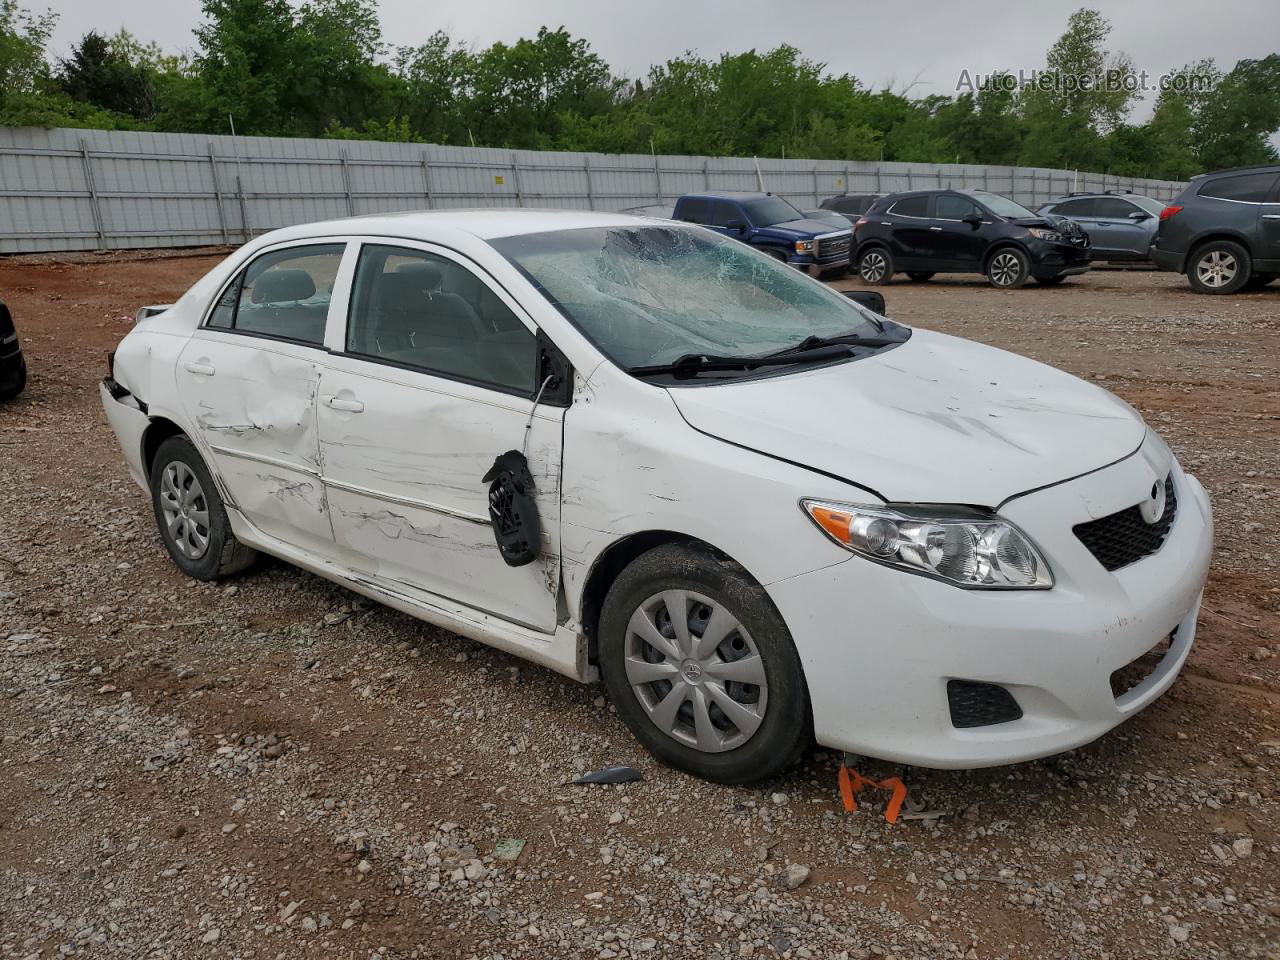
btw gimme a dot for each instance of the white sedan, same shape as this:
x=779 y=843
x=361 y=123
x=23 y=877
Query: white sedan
x=634 y=450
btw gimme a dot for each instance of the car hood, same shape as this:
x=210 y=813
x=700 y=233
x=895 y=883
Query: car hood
x=1051 y=221
x=804 y=228
x=936 y=420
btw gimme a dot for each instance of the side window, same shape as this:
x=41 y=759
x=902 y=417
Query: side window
x=951 y=207
x=911 y=207
x=1114 y=208
x=722 y=212
x=418 y=310
x=1249 y=188
x=282 y=294
x=1076 y=208
x=695 y=210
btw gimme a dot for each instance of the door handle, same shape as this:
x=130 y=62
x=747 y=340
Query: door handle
x=344 y=404
x=201 y=368
x=1271 y=216
x=936 y=229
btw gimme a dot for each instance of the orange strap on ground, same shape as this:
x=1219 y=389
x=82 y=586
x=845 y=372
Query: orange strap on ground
x=852 y=782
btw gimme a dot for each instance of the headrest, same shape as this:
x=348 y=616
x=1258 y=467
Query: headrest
x=427 y=274
x=280 y=286
x=404 y=289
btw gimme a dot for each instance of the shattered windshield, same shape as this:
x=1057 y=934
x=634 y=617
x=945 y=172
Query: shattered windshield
x=651 y=294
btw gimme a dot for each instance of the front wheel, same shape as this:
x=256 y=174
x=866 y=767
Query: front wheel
x=701 y=667
x=1219 y=267
x=1008 y=269
x=875 y=266
x=189 y=512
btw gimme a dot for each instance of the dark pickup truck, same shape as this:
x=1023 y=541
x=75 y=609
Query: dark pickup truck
x=771 y=225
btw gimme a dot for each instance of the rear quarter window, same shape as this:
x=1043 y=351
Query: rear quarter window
x=1245 y=188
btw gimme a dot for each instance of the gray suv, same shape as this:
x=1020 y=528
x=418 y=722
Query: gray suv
x=1120 y=226
x=1223 y=231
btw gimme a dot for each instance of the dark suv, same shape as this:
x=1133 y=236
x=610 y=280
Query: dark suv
x=1223 y=231
x=13 y=367
x=966 y=231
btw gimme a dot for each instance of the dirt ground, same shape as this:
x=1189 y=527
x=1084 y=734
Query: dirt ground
x=272 y=767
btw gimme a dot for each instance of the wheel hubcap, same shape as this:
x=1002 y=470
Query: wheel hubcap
x=1004 y=269
x=185 y=510
x=872 y=267
x=1217 y=269
x=696 y=671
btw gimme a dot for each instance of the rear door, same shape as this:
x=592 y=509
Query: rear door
x=1269 y=228
x=1123 y=236
x=911 y=219
x=249 y=377
x=433 y=379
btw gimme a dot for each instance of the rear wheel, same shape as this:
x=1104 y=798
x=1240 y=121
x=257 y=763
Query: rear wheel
x=19 y=382
x=189 y=512
x=1219 y=267
x=920 y=276
x=1049 y=281
x=875 y=266
x=1008 y=268
x=701 y=667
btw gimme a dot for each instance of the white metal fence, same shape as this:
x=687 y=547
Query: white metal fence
x=104 y=189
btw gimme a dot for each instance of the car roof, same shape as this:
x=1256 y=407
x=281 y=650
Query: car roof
x=484 y=223
x=727 y=194
x=1266 y=167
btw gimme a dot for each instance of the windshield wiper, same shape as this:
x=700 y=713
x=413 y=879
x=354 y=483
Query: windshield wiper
x=692 y=364
x=816 y=342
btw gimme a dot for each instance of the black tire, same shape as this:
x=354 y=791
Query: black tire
x=1050 y=281
x=1219 y=267
x=920 y=276
x=1008 y=269
x=223 y=554
x=19 y=384
x=786 y=728
x=1260 y=280
x=875 y=266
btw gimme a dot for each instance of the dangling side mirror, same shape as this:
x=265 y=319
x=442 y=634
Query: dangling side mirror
x=870 y=299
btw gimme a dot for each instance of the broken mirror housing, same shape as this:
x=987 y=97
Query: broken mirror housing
x=513 y=513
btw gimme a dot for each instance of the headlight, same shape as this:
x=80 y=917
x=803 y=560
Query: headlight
x=804 y=246
x=1051 y=235
x=968 y=551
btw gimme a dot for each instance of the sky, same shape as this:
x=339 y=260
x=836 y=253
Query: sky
x=923 y=44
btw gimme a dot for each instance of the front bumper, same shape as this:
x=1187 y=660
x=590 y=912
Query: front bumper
x=1058 y=259
x=879 y=645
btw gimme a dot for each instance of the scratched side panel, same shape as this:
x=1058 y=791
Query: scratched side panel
x=256 y=415
x=404 y=481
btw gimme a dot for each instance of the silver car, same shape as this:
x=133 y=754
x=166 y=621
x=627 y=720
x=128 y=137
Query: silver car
x=1121 y=226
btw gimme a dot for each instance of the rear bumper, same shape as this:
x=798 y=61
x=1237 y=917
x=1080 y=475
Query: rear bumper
x=1167 y=260
x=879 y=646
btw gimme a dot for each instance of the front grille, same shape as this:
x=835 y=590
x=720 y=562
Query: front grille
x=1134 y=673
x=1125 y=537
x=976 y=704
x=830 y=247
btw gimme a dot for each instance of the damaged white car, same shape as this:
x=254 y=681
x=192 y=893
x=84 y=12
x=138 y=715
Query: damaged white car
x=636 y=450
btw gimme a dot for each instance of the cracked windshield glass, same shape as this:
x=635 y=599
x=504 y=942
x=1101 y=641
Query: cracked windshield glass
x=652 y=294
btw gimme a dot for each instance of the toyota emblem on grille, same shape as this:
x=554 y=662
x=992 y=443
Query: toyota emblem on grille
x=1153 y=509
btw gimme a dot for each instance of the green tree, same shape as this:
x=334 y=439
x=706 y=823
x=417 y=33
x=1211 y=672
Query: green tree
x=100 y=72
x=23 y=36
x=1236 y=120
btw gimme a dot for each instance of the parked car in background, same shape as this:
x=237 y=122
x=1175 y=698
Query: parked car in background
x=925 y=232
x=1120 y=226
x=1223 y=230
x=837 y=220
x=13 y=365
x=850 y=204
x=642 y=451
x=771 y=225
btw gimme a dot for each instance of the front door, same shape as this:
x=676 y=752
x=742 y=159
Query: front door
x=435 y=379
x=958 y=244
x=249 y=378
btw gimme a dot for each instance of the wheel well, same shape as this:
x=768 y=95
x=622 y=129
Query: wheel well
x=157 y=433
x=612 y=562
x=870 y=245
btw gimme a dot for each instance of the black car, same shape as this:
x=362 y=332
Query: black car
x=1223 y=231
x=13 y=367
x=851 y=204
x=924 y=232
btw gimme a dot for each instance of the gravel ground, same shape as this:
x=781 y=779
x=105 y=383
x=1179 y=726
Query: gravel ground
x=273 y=767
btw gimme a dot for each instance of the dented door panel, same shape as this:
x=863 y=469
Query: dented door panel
x=403 y=481
x=253 y=403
